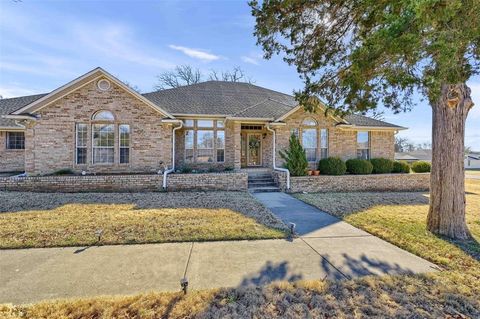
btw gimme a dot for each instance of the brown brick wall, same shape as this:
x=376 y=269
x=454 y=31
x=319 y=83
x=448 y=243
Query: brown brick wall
x=341 y=143
x=126 y=183
x=10 y=160
x=50 y=143
x=355 y=183
x=219 y=181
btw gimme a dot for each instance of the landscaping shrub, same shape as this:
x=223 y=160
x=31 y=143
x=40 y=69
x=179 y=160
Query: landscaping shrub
x=295 y=158
x=381 y=165
x=359 y=166
x=400 y=167
x=64 y=171
x=332 y=166
x=421 y=167
x=186 y=170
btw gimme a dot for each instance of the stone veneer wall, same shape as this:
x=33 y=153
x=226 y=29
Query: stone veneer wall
x=10 y=160
x=354 y=183
x=126 y=183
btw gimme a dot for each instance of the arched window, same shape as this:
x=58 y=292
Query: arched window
x=309 y=122
x=103 y=116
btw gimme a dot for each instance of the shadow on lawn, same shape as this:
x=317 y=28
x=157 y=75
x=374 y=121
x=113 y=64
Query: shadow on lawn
x=254 y=298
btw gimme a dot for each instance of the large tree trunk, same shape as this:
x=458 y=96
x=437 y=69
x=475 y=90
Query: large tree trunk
x=446 y=215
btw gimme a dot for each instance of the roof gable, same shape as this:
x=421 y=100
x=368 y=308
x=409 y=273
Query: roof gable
x=79 y=82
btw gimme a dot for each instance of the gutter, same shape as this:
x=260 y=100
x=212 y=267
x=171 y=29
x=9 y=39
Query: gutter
x=274 y=155
x=168 y=171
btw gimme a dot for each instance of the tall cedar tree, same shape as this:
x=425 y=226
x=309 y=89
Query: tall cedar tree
x=360 y=54
x=295 y=157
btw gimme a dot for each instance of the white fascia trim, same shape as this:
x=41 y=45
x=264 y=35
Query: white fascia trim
x=11 y=129
x=171 y=121
x=19 y=117
x=101 y=72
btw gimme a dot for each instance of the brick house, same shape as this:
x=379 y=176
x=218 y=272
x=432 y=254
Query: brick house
x=98 y=124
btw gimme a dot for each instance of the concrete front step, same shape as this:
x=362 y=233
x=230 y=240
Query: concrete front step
x=264 y=189
x=261 y=184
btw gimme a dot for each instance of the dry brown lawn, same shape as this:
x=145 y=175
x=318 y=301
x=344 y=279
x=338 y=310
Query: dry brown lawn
x=47 y=220
x=451 y=293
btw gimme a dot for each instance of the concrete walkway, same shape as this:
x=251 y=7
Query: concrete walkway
x=326 y=249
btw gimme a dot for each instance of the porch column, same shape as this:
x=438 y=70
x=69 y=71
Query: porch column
x=237 y=143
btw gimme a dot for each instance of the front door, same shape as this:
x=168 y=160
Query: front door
x=254 y=149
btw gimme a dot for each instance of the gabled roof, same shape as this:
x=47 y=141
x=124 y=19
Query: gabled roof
x=211 y=98
x=234 y=99
x=10 y=105
x=360 y=120
x=79 y=82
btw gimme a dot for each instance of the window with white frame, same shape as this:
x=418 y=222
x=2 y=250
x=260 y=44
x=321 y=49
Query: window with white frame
x=309 y=139
x=15 y=140
x=204 y=141
x=363 y=145
x=81 y=134
x=103 y=143
x=189 y=142
x=220 y=146
x=205 y=146
x=124 y=143
x=323 y=143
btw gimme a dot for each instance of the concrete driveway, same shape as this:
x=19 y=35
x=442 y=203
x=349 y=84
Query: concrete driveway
x=326 y=248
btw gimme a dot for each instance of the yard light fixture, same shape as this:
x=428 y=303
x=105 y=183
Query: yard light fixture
x=98 y=234
x=184 y=284
x=292 y=228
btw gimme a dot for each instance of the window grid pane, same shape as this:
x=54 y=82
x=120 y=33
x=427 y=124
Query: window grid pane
x=311 y=154
x=189 y=138
x=204 y=123
x=205 y=146
x=82 y=140
x=124 y=132
x=220 y=146
x=323 y=143
x=363 y=145
x=15 y=140
x=103 y=143
x=309 y=143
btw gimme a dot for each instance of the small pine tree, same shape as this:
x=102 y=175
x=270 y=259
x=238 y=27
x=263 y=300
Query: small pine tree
x=295 y=158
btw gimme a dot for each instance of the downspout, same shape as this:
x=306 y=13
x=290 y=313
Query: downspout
x=168 y=171
x=281 y=169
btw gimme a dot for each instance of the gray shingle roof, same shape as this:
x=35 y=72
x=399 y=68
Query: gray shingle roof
x=223 y=98
x=234 y=99
x=12 y=104
x=360 y=120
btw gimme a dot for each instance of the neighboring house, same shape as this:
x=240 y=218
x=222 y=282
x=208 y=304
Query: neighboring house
x=414 y=156
x=472 y=160
x=98 y=124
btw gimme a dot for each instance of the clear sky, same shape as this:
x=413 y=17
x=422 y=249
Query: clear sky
x=44 y=44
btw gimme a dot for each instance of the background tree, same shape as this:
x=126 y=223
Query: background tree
x=185 y=75
x=180 y=76
x=360 y=54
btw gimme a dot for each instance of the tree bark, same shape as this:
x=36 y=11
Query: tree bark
x=446 y=215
